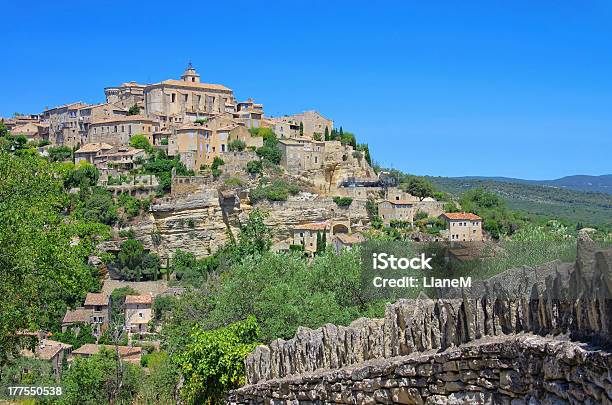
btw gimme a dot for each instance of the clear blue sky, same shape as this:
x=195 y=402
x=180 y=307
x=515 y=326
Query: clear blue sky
x=508 y=88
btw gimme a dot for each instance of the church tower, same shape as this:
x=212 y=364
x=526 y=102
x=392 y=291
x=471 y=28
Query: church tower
x=190 y=75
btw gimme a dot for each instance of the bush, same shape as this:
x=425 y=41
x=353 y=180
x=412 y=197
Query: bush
x=59 y=153
x=420 y=215
x=343 y=201
x=201 y=121
x=164 y=141
x=140 y=141
x=278 y=190
x=254 y=167
x=236 y=146
x=134 y=110
x=233 y=181
x=213 y=363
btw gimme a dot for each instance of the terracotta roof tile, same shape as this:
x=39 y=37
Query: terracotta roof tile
x=312 y=226
x=138 y=299
x=462 y=216
x=93 y=147
x=96 y=299
x=77 y=315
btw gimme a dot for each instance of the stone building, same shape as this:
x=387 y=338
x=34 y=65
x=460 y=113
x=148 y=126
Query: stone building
x=96 y=113
x=191 y=142
x=299 y=154
x=463 y=226
x=118 y=130
x=126 y=95
x=396 y=210
x=282 y=129
x=187 y=99
x=89 y=151
x=75 y=318
x=306 y=235
x=98 y=304
x=119 y=159
x=138 y=312
x=64 y=124
x=126 y=353
x=34 y=131
x=311 y=121
x=51 y=351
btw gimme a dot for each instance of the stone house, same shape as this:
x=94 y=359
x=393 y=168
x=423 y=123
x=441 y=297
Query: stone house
x=300 y=154
x=64 y=123
x=187 y=98
x=282 y=129
x=118 y=130
x=126 y=95
x=191 y=142
x=98 y=304
x=346 y=241
x=74 y=318
x=138 y=312
x=306 y=235
x=96 y=113
x=396 y=210
x=463 y=226
x=89 y=151
x=312 y=122
x=119 y=159
x=50 y=351
x=32 y=131
x=126 y=353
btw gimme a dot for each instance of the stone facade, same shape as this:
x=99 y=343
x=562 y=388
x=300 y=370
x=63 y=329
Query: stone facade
x=187 y=99
x=463 y=226
x=396 y=210
x=118 y=130
x=312 y=123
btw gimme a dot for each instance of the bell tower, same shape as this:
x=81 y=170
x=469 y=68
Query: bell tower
x=190 y=74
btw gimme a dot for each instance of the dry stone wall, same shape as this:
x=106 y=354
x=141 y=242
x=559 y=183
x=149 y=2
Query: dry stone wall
x=555 y=299
x=519 y=369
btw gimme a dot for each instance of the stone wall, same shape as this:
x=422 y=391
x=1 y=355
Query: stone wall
x=524 y=369
x=554 y=299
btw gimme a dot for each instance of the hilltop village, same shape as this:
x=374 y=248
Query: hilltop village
x=190 y=164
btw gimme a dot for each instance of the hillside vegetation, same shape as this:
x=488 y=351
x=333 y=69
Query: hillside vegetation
x=585 y=209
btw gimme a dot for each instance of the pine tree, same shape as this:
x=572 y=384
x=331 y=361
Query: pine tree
x=326 y=134
x=301 y=129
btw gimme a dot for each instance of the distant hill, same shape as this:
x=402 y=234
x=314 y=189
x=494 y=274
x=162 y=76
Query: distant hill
x=594 y=184
x=553 y=198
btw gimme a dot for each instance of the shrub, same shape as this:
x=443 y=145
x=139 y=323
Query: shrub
x=134 y=110
x=254 y=167
x=59 y=153
x=420 y=215
x=164 y=141
x=343 y=201
x=233 y=181
x=236 y=146
x=278 y=190
x=201 y=121
x=139 y=141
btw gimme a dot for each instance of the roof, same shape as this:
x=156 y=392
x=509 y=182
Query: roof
x=312 y=226
x=182 y=83
x=123 y=118
x=138 y=299
x=400 y=202
x=77 y=315
x=350 y=239
x=461 y=216
x=121 y=151
x=91 y=348
x=94 y=147
x=46 y=349
x=96 y=299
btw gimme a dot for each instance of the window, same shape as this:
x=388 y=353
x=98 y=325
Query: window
x=186 y=97
x=223 y=147
x=130 y=129
x=301 y=234
x=173 y=97
x=140 y=314
x=122 y=129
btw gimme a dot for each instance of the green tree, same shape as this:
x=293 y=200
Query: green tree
x=418 y=187
x=59 y=153
x=301 y=128
x=140 y=141
x=43 y=253
x=213 y=362
x=134 y=110
x=254 y=236
x=95 y=204
x=326 y=134
x=84 y=174
x=160 y=385
x=101 y=379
